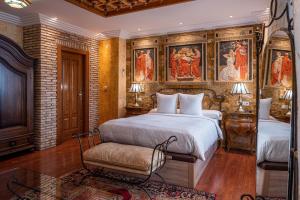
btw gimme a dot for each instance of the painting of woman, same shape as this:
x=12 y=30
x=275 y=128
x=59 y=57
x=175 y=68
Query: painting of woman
x=230 y=73
x=280 y=68
x=185 y=63
x=196 y=63
x=144 y=65
x=241 y=61
x=234 y=60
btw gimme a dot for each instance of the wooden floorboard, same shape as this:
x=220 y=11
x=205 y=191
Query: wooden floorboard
x=229 y=174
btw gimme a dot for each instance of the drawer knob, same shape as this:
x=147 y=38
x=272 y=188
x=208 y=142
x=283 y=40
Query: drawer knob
x=12 y=143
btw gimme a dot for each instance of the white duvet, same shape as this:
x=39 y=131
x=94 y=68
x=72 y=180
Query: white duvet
x=195 y=134
x=273 y=141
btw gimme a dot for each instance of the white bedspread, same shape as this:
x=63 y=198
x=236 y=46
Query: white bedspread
x=195 y=134
x=273 y=141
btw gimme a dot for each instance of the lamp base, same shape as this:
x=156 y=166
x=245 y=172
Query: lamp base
x=241 y=109
x=136 y=105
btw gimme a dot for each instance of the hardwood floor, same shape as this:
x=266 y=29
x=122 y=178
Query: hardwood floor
x=229 y=174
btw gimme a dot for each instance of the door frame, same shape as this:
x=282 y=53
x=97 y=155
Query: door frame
x=86 y=84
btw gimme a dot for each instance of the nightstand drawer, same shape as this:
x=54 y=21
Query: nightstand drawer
x=240 y=130
x=133 y=111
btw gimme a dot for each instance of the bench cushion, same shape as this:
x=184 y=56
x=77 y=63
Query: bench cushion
x=125 y=156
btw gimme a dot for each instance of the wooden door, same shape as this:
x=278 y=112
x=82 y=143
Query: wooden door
x=72 y=94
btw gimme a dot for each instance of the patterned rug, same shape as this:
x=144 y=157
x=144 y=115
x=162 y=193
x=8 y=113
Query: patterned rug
x=104 y=188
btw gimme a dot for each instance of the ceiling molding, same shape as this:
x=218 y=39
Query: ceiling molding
x=263 y=17
x=10 y=18
x=32 y=19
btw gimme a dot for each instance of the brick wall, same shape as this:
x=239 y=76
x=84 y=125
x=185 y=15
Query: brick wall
x=223 y=88
x=40 y=41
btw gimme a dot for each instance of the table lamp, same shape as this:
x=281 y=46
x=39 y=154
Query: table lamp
x=240 y=89
x=288 y=95
x=135 y=88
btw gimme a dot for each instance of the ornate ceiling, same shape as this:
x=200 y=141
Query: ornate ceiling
x=107 y=8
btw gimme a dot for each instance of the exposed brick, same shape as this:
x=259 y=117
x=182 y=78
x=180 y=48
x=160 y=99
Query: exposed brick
x=40 y=41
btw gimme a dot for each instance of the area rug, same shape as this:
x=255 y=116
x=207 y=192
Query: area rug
x=106 y=188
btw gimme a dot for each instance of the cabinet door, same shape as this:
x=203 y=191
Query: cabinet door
x=16 y=100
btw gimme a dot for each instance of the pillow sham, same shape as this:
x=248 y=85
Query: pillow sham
x=264 y=108
x=191 y=104
x=166 y=103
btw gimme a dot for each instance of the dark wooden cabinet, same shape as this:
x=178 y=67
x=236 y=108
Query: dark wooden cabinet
x=240 y=130
x=16 y=98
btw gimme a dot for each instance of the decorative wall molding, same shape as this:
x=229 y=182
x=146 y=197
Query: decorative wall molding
x=256 y=17
x=10 y=18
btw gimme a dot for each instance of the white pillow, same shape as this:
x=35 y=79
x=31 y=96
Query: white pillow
x=191 y=104
x=264 y=108
x=166 y=103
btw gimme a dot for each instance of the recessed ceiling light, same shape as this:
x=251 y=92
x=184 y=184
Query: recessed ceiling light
x=99 y=34
x=231 y=16
x=139 y=29
x=180 y=23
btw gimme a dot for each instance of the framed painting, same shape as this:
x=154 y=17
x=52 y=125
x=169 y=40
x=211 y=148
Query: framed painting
x=186 y=63
x=279 y=68
x=233 y=61
x=144 y=64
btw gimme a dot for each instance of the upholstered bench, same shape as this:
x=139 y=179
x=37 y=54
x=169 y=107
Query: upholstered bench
x=132 y=159
x=121 y=157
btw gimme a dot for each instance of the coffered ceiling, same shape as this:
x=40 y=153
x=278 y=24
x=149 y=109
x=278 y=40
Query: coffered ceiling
x=107 y=8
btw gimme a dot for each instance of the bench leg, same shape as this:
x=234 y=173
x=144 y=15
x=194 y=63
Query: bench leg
x=141 y=187
x=157 y=174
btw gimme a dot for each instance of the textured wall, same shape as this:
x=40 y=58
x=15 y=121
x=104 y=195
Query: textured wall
x=40 y=41
x=12 y=31
x=230 y=103
x=112 y=69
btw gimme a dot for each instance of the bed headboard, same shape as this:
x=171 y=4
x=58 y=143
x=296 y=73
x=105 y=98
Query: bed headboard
x=211 y=99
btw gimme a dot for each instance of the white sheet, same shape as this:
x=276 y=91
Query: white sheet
x=195 y=134
x=273 y=141
x=214 y=114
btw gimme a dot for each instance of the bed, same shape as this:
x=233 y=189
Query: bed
x=273 y=141
x=198 y=136
x=272 y=157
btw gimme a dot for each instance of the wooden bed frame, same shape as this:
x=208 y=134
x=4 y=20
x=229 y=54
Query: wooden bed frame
x=272 y=179
x=186 y=170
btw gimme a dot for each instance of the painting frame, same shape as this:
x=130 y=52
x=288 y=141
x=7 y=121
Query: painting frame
x=268 y=66
x=219 y=59
x=203 y=62
x=154 y=52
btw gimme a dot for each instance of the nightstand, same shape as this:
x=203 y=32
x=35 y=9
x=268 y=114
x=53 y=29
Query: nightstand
x=240 y=130
x=281 y=116
x=135 y=110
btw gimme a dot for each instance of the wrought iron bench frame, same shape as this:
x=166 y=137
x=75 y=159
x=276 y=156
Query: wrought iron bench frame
x=161 y=157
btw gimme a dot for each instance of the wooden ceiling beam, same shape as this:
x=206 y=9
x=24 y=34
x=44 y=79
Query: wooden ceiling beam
x=108 y=8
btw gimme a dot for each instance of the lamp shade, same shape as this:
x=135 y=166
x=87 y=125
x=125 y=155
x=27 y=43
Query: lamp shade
x=135 y=88
x=288 y=94
x=239 y=88
x=18 y=3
